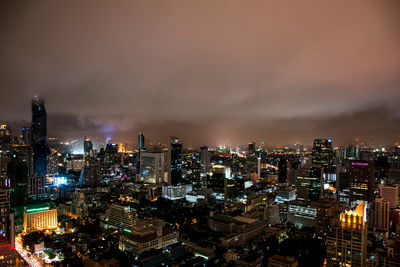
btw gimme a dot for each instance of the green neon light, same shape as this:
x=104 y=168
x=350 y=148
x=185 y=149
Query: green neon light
x=37 y=209
x=127 y=230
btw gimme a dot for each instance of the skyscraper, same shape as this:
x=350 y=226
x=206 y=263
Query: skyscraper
x=152 y=166
x=87 y=146
x=379 y=214
x=322 y=154
x=204 y=159
x=347 y=243
x=176 y=162
x=309 y=184
x=361 y=175
x=39 y=120
x=38 y=136
x=282 y=170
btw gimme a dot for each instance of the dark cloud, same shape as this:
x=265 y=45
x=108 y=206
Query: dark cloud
x=224 y=71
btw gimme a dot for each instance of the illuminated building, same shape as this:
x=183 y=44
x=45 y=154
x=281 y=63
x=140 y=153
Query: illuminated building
x=309 y=184
x=204 y=159
x=301 y=215
x=147 y=235
x=40 y=217
x=152 y=167
x=379 y=214
x=121 y=217
x=272 y=214
x=361 y=175
x=5 y=139
x=322 y=154
x=347 y=243
x=87 y=146
x=175 y=162
x=252 y=147
x=174 y=192
x=7 y=231
x=38 y=136
x=391 y=194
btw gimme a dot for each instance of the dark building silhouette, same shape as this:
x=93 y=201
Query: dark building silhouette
x=38 y=136
x=282 y=170
x=176 y=161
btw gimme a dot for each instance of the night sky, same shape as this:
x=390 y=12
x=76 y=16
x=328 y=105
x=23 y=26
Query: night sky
x=211 y=72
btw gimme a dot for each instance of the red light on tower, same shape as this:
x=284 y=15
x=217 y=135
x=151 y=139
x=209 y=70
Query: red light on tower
x=357 y=139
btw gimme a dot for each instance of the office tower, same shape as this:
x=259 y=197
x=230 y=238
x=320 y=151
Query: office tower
x=322 y=154
x=91 y=173
x=152 y=167
x=24 y=153
x=39 y=120
x=282 y=170
x=293 y=165
x=379 y=211
x=141 y=142
x=309 y=184
x=17 y=174
x=390 y=193
x=347 y=243
x=176 y=162
x=6 y=222
x=5 y=139
x=111 y=155
x=37 y=185
x=26 y=135
x=204 y=159
x=87 y=146
x=7 y=230
x=38 y=136
x=327 y=215
x=40 y=217
x=361 y=175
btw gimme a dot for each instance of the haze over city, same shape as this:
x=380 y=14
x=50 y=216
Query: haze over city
x=211 y=72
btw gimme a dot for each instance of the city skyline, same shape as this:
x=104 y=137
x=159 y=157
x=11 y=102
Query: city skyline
x=210 y=73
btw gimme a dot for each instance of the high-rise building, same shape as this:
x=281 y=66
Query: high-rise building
x=121 y=217
x=204 y=159
x=87 y=146
x=5 y=139
x=347 y=243
x=322 y=154
x=38 y=136
x=390 y=193
x=6 y=216
x=282 y=170
x=175 y=162
x=152 y=167
x=379 y=214
x=39 y=120
x=361 y=175
x=26 y=135
x=91 y=173
x=309 y=184
x=37 y=185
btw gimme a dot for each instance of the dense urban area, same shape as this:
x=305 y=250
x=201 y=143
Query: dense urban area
x=76 y=203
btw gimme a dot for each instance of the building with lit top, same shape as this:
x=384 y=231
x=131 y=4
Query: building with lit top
x=322 y=154
x=40 y=217
x=361 y=175
x=146 y=235
x=175 y=162
x=347 y=243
